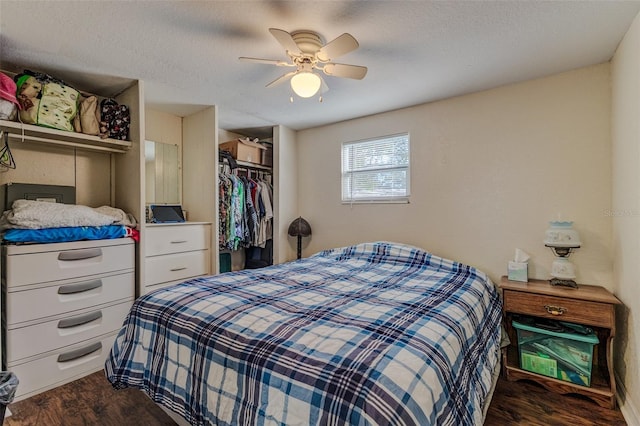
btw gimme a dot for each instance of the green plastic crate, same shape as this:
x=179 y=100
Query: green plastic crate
x=563 y=355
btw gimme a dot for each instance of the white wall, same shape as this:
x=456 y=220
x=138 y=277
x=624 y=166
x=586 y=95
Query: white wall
x=488 y=171
x=285 y=192
x=88 y=171
x=626 y=222
x=163 y=127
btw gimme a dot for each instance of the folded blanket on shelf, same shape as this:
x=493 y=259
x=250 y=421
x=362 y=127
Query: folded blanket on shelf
x=29 y=214
x=75 y=233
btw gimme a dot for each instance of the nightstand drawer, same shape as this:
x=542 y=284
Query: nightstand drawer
x=560 y=308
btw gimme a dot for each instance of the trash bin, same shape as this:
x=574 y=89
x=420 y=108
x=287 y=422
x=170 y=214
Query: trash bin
x=8 y=385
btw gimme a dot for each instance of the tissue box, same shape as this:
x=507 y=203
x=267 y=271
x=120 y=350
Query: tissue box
x=517 y=271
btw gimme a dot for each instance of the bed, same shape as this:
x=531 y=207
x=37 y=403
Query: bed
x=374 y=333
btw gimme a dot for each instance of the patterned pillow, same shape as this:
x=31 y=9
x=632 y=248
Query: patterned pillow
x=116 y=119
x=46 y=101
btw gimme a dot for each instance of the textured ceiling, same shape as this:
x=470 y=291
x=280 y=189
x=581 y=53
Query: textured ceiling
x=186 y=52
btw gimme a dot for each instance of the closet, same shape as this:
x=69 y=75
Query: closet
x=200 y=168
x=245 y=220
x=245 y=200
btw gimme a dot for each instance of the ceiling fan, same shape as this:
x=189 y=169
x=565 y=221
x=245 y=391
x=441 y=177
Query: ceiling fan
x=307 y=53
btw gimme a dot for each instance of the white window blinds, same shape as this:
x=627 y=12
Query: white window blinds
x=376 y=170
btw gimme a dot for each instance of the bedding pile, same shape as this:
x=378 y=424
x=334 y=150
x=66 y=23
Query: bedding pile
x=45 y=222
x=375 y=333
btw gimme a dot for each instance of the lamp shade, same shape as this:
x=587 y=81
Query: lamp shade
x=299 y=228
x=305 y=84
x=561 y=234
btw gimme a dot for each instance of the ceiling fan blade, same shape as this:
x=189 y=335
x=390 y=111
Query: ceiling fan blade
x=285 y=39
x=281 y=79
x=337 y=47
x=267 y=61
x=348 y=71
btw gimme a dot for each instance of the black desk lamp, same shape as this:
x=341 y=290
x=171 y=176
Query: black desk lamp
x=299 y=228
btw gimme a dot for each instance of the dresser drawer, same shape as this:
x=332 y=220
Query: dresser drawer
x=23 y=342
x=67 y=296
x=176 y=238
x=59 y=367
x=150 y=288
x=40 y=263
x=172 y=267
x=560 y=308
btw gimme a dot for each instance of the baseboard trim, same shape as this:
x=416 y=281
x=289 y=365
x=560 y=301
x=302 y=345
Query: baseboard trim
x=629 y=411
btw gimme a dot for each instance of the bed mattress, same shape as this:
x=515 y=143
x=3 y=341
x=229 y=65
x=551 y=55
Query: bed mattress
x=375 y=333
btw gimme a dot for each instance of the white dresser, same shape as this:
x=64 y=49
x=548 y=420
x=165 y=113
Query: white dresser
x=65 y=303
x=175 y=252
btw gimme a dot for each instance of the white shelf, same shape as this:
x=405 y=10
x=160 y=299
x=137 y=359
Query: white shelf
x=246 y=164
x=31 y=133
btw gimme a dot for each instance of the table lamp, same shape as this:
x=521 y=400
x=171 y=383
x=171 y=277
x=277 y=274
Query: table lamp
x=561 y=238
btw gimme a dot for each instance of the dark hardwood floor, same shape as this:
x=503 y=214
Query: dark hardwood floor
x=92 y=401
x=527 y=403
x=87 y=401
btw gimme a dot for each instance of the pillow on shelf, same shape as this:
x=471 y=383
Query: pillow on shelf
x=46 y=101
x=8 y=102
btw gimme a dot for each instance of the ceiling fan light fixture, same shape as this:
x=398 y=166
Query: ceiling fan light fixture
x=305 y=84
x=306 y=54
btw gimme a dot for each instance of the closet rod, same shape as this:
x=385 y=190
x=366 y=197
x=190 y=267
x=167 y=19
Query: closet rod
x=245 y=164
x=31 y=133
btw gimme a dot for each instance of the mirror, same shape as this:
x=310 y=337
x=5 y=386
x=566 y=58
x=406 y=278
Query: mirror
x=162 y=173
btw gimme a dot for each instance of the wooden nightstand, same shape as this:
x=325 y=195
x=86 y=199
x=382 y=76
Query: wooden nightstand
x=587 y=305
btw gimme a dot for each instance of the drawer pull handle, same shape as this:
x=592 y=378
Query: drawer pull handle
x=79 y=320
x=80 y=254
x=178 y=269
x=79 y=353
x=178 y=241
x=79 y=288
x=555 y=310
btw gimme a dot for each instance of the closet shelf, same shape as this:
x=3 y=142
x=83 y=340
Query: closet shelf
x=30 y=133
x=245 y=164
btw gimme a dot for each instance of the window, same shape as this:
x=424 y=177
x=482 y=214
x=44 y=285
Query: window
x=376 y=170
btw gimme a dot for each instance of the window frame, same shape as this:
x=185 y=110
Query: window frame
x=384 y=199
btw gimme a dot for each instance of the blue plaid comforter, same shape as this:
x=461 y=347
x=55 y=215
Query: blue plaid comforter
x=375 y=333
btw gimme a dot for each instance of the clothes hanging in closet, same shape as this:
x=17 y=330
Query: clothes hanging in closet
x=246 y=211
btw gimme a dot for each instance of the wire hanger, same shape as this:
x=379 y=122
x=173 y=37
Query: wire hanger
x=6 y=158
